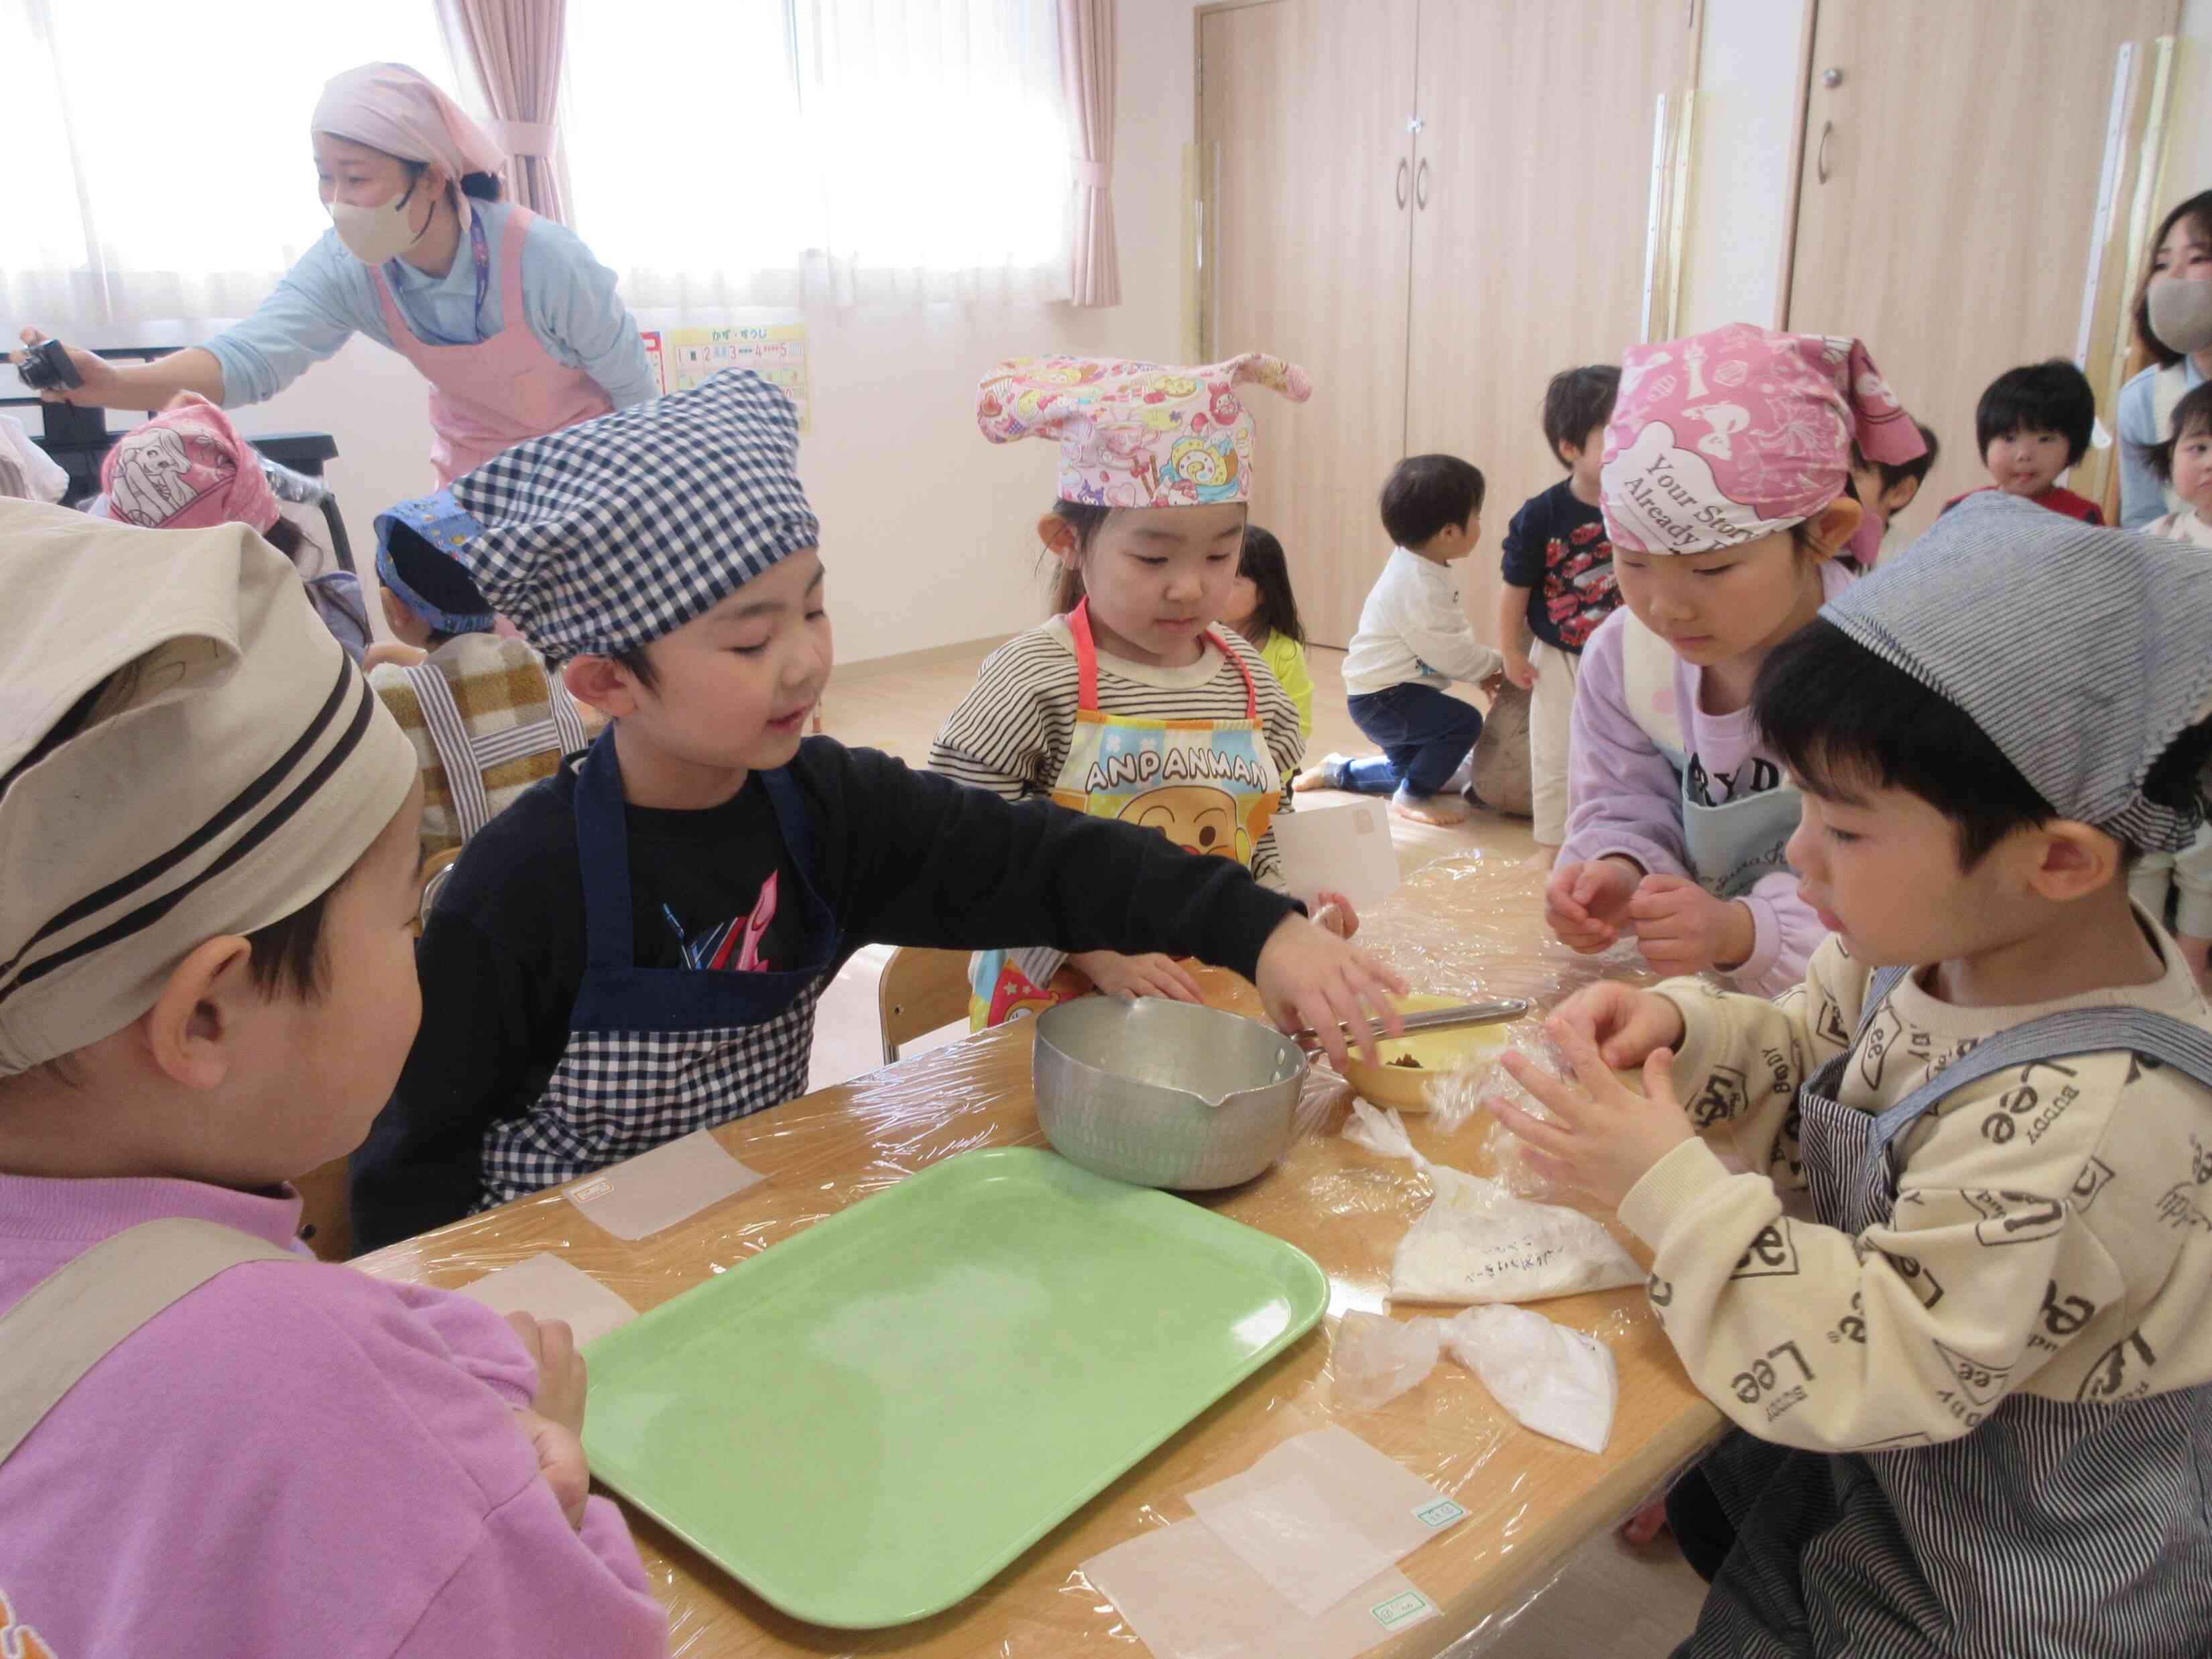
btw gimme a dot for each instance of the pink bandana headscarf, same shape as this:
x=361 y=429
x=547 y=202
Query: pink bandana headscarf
x=1137 y=434
x=393 y=108
x=185 y=469
x=1730 y=436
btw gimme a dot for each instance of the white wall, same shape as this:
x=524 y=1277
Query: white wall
x=925 y=527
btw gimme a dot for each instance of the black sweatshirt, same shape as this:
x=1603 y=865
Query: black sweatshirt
x=900 y=858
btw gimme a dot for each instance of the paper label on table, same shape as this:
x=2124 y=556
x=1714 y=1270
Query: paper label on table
x=547 y=1287
x=1440 y=1514
x=658 y=1189
x=1407 y=1609
x=1321 y=1515
x=1338 y=849
x=1187 y=1597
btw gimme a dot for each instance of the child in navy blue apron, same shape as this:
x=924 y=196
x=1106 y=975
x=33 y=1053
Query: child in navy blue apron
x=1969 y=1364
x=635 y=949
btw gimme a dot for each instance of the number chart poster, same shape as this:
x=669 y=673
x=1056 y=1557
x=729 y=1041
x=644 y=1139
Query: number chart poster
x=683 y=358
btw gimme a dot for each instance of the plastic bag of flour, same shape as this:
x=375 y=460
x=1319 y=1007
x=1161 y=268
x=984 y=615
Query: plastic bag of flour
x=1479 y=1242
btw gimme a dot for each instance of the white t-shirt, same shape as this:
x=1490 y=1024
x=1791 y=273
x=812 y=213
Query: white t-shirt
x=1413 y=628
x=2182 y=526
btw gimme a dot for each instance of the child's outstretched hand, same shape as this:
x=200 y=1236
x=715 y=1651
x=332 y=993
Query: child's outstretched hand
x=1521 y=670
x=1683 y=929
x=1586 y=905
x=1308 y=977
x=1153 y=976
x=1608 y=1136
x=1624 y=1024
x=1335 y=913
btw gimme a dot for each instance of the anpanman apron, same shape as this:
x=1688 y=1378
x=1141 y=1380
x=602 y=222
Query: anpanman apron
x=1210 y=787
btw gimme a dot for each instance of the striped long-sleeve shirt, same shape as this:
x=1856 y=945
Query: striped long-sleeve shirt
x=1011 y=732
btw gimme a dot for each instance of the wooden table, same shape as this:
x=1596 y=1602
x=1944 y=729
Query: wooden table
x=1531 y=1501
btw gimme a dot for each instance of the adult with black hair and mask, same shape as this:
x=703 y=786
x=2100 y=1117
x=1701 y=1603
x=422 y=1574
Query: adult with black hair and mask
x=2174 y=324
x=515 y=323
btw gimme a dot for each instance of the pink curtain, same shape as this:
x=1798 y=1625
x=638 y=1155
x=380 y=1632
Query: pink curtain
x=516 y=46
x=1087 y=72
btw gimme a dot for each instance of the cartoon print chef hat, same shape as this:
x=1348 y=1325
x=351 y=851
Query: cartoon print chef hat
x=1730 y=436
x=1138 y=434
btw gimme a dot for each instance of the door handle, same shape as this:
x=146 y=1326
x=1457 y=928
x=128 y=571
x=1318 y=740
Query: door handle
x=1403 y=169
x=1820 y=160
x=1421 y=184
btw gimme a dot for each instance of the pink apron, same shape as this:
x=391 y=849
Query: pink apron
x=490 y=396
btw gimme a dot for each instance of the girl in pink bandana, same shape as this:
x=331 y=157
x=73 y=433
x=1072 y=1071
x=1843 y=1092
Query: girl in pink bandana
x=1726 y=493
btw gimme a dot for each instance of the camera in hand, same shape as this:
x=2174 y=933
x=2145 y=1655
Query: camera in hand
x=46 y=366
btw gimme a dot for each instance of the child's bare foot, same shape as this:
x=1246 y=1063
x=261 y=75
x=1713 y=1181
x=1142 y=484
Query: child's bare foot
x=1442 y=811
x=1327 y=773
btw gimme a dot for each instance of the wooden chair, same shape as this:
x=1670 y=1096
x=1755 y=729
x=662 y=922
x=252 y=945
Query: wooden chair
x=325 y=1213
x=436 y=869
x=921 y=990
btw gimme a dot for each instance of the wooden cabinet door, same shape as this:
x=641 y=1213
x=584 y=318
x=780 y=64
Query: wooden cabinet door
x=1535 y=161
x=1953 y=151
x=1306 y=167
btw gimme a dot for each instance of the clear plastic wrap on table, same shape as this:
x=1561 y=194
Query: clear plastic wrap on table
x=1470 y=923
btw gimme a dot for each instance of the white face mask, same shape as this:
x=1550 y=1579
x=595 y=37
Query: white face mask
x=2181 y=312
x=374 y=235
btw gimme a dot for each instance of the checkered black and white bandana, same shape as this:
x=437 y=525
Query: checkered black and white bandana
x=613 y=533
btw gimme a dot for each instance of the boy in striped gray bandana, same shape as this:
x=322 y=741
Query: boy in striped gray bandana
x=1935 y=1229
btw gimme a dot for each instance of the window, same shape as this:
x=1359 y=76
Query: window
x=723 y=152
x=743 y=151
x=158 y=163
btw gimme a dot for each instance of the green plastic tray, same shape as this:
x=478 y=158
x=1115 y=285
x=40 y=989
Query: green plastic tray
x=866 y=1422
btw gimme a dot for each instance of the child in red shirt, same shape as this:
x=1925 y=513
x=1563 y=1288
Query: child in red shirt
x=2032 y=424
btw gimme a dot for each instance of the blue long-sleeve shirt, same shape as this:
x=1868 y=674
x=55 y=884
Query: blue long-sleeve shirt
x=2143 y=498
x=567 y=297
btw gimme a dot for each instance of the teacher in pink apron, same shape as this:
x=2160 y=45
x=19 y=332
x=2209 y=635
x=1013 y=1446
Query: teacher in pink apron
x=515 y=325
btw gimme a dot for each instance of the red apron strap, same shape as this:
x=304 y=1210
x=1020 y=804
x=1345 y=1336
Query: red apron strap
x=1086 y=657
x=1086 y=663
x=1251 y=691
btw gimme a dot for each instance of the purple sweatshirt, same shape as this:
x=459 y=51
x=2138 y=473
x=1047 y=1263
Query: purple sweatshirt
x=292 y=1459
x=1626 y=799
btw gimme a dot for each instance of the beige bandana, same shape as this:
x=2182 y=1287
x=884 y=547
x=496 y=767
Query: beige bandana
x=225 y=764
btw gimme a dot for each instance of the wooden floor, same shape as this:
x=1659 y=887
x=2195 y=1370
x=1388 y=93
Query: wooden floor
x=1610 y=1600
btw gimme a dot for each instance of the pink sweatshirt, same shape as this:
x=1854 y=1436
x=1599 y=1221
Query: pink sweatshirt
x=292 y=1459
x=1626 y=800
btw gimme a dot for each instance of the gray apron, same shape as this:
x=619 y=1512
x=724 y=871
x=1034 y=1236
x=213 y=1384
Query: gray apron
x=86 y=1309
x=2055 y=1528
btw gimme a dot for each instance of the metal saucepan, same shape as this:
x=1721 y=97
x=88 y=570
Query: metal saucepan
x=1165 y=1094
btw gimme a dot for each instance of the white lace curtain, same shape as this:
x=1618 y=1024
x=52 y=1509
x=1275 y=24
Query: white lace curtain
x=720 y=152
x=757 y=152
x=158 y=161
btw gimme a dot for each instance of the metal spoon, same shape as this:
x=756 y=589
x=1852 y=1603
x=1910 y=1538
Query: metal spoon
x=1495 y=1012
